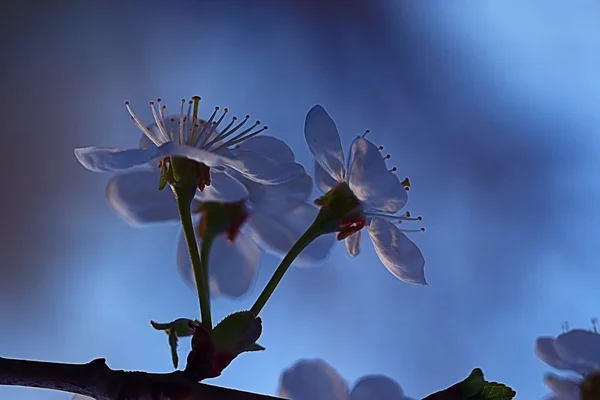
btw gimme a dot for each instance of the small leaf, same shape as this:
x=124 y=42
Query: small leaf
x=173 y=344
x=255 y=347
x=474 y=387
x=180 y=327
x=237 y=333
x=497 y=391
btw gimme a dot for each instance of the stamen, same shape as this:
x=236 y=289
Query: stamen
x=387 y=157
x=394 y=169
x=141 y=126
x=406 y=183
x=241 y=138
x=380 y=147
x=413 y=230
x=195 y=102
x=226 y=132
x=205 y=130
x=159 y=123
x=366 y=133
x=181 y=122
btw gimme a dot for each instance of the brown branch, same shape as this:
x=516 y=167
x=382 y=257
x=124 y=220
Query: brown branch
x=95 y=379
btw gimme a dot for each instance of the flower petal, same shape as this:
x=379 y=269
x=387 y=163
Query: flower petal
x=323 y=180
x=312 y=379
x=223 y=187
x=377 y=387
x=277 y=232
x=324 y=142
x=566 y=389
x=106 y=159
x=233 y=266
x=136 y=198
x=397 y=252
x=81 y=397
x=545 y=350
x=269 y=146
x=352 y=243
x=285 y=196
x=371 y=180
x=580 y=348
x=259 y=168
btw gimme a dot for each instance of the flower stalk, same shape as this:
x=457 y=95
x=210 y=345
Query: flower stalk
x=316 y=229
x=184 y=188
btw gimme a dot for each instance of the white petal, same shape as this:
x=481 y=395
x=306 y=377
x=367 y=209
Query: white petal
x=136 y=198
x=377 y=387
x=312 y=380
x=397 y=252
x=370 y=179
x=223 y=187
x=278 y=231
x=80 y=397
x=545 y=350
x=352 y=243
x=261 y=169
x=269 y=146
x=580 y=348
x=566 y=389
x=322 y=179
x=285 y=196
x=104 y=159
x=324 y=142
x=232 y=267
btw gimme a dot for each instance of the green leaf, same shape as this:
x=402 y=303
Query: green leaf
x=180 y=327
x=237 y=333
x=474 y=387
x=173 y=344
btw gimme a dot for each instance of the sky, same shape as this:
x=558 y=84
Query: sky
x=491 y=109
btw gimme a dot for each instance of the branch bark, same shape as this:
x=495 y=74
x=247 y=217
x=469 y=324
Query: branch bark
x=96 y=380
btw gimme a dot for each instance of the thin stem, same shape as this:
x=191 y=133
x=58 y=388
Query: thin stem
x=207 y=241
x=307 y=237
x=185 y=214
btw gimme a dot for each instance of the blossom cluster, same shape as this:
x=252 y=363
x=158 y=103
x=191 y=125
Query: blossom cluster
x=237 y=163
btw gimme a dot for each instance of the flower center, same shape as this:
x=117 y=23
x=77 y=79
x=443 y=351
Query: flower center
x=202 y=172
x=345 y=211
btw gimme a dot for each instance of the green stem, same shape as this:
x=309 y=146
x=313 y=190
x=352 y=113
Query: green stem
x=185 y=214
x=207 y=241
x=307 y=237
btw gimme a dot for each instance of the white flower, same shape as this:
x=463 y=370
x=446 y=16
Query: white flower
x=184 y=135
x=378 y=191
x=314 y=379
x=577 y=352
x=278 y=216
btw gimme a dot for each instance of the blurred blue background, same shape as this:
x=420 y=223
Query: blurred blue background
x=491 y=108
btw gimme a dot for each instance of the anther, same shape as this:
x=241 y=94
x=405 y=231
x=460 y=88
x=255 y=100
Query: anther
x=366 y=132
x=380 y=147
x=387 y=156
x=394 y=169
x=407 y=214
x=419 y=218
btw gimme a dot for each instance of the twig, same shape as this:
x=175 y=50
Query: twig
x=96 y=380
